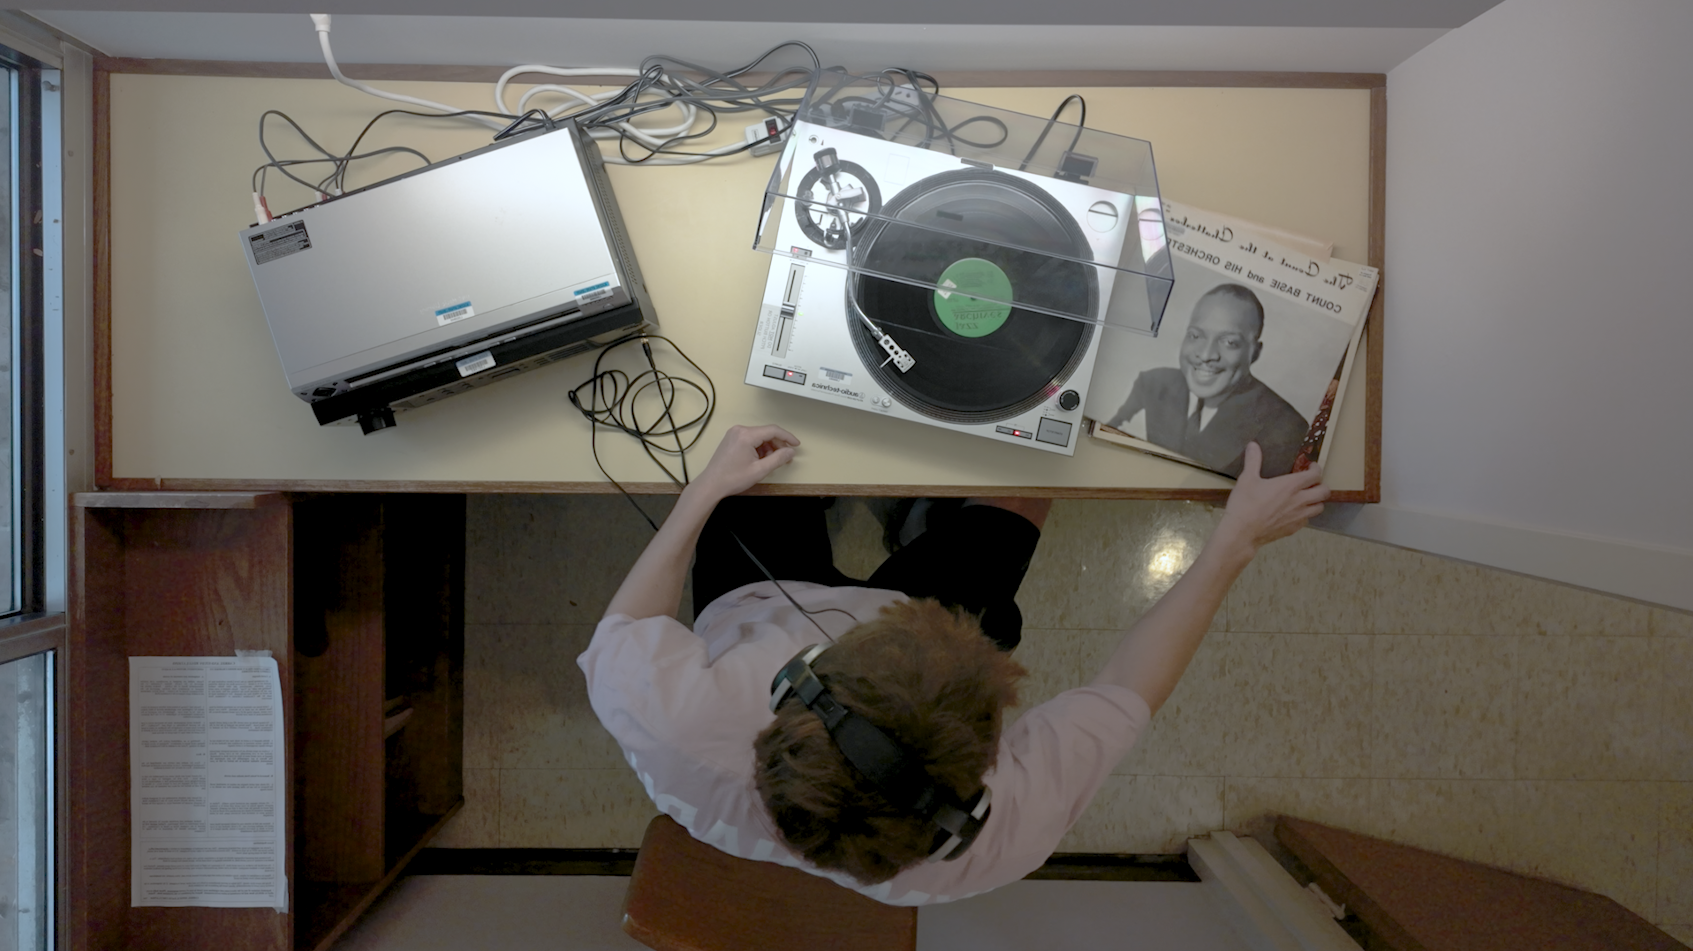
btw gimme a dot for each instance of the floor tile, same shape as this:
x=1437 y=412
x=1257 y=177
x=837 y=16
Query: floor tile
x=1674 y=659
x=1468 y=819
x=572 y=809
x=1185 y=738
x=504 y=912
x=1416 y=593
x=1675 y=854
x=562 y=557
x=485 y=519
x=1522 y=605
x=1251 y=806
x=535 y=707
x=1666 y=622
x=855 y=532
x=1323 y=582
x=1442 y=707
x=477 y=825
x=482 y=690
x=1059 y=660
x=1312 y=582
x=1101 y=564
x=1588 y=708
x=1297 y=704
x=1364 y=686
x=1191 y=733
x=1601 y=836
x=1147 y=814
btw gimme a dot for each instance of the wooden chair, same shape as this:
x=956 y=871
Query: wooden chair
x=685 y=895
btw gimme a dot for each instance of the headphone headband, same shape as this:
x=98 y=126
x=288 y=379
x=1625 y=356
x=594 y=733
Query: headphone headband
x=895 y=769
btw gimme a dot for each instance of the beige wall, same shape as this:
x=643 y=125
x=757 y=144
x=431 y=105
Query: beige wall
x=1536 y=386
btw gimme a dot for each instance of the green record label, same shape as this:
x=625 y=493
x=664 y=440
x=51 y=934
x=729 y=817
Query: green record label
x=965 y=314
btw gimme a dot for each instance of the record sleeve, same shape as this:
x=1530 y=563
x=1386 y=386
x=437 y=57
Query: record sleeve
x=1258 y=345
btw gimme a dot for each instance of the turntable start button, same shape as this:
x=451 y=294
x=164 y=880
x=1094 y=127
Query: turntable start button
x=790 y=376
x=1054 y=431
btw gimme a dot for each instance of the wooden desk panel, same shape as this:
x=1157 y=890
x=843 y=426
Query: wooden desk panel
x=194 y=397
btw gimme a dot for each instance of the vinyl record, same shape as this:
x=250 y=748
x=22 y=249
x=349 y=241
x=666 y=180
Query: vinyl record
x=977 y=360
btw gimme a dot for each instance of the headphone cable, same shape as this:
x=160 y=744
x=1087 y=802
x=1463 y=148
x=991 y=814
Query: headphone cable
x=612 y=394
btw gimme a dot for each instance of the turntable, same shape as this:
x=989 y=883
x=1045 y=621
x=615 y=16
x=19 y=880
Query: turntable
x=952 y=264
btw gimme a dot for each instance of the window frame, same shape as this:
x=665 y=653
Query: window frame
x=52 y=303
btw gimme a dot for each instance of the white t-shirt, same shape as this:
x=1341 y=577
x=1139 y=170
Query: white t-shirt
x=685 y=706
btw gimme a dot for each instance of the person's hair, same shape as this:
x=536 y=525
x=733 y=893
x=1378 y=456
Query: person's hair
x=928 y=678
x=1238 y=294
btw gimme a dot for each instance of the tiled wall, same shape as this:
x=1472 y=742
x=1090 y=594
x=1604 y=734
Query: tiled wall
x=1479 y=713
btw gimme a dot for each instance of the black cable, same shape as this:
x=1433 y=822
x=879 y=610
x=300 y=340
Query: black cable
x=615 y=409
x=809 y=615
x=537 y=116
x=1081 y=123
x=708 y=97
x=715 y=93
x=337 y=179
x=711 y=99
x=612 y=396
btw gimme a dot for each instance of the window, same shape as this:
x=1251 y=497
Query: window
x=23 y=264
x=31 y=641
x=26 y=795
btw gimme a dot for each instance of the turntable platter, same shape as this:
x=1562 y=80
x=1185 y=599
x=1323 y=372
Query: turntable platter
x=978 y=359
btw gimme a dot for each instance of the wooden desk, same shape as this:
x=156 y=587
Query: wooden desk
x=360 y=598
x=191 y=395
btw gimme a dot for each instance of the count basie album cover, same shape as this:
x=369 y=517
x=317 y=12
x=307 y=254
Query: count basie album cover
x=1257 y=343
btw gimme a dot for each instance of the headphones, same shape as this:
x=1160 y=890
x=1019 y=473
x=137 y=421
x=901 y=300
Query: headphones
x=895 y=769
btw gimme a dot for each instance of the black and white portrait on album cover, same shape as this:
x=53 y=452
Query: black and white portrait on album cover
x=1249 y=343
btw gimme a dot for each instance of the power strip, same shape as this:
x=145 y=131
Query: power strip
x=770 y=135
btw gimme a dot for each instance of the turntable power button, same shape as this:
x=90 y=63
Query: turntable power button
x=1069 y=399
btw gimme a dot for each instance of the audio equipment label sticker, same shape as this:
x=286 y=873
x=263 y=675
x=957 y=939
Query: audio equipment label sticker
x=965 y=314
x=593 y=292
x=475 y=364
x=279 y=242
x=459 y=310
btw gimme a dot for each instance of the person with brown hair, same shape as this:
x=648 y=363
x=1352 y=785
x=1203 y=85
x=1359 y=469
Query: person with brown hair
x=924 y=674
x=919 y=652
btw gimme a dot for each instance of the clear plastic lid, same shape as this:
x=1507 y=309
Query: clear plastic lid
x=975 y=211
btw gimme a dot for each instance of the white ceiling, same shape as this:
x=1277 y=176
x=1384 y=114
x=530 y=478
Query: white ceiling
x=500 y=40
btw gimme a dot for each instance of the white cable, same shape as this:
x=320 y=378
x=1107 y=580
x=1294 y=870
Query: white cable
x=566 y=71
x=650 y=137
x=321 y=22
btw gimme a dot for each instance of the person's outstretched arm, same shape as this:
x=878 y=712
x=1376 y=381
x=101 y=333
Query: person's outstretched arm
x=745 y=457
x=1156 y=651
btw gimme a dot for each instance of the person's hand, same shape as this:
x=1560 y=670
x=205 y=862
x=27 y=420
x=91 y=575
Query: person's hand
x=746 y=456
x=1262 y=510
